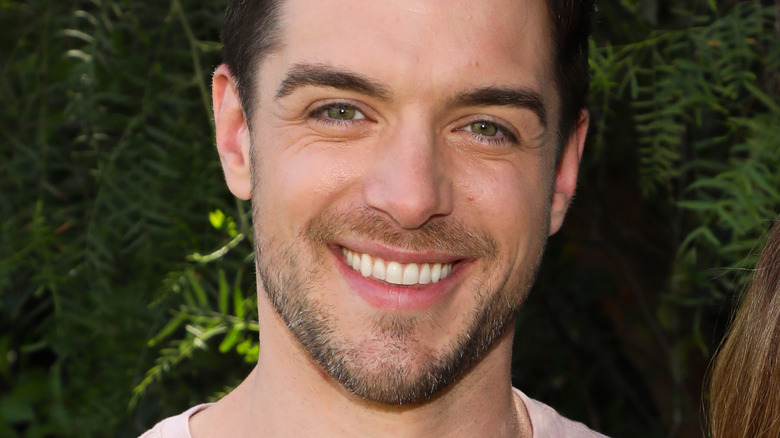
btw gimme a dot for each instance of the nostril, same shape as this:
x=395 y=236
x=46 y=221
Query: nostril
x=409 y=199
x=408 y=179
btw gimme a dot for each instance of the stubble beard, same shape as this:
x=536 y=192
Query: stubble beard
x=388 y=366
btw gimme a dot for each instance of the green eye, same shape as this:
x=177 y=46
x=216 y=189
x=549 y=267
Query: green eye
x=342 y=112
x=484 y=128
x=489 y=132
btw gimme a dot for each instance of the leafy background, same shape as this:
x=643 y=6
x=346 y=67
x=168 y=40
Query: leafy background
x=126 y=280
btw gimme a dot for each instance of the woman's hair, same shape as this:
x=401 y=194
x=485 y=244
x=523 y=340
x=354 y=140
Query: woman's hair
x=745 y=385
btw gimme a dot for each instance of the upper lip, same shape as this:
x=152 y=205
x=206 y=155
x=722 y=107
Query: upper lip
x=396 y=254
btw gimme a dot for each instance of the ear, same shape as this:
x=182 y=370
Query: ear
x=233 y=139
x=566 y=172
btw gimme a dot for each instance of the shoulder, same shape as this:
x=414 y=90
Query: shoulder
x=176 y=426
x=546 y=422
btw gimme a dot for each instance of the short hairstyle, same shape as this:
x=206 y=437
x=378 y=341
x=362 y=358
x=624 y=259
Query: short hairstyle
x=252 y=29
x=571 y=27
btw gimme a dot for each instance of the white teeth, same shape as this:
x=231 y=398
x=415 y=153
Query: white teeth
x=366 y=267
x=436 y=273
x=379 y=269
x=425 y=274
x=411 y=274
x=395 y=272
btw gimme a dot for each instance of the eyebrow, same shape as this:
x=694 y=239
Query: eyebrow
x=318 y=75
x=504 y=96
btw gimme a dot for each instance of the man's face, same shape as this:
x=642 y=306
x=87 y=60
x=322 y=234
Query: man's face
x=403 y=172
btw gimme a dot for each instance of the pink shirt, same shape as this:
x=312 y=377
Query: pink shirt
x=545 y=421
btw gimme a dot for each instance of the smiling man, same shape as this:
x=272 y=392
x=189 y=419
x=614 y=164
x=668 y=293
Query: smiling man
x=406 y=162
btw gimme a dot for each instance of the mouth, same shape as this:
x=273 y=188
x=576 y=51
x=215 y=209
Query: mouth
x=396 y=272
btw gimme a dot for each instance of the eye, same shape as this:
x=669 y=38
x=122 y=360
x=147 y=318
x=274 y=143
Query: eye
x=484 y=128
x=490 y=132
x=339 y=112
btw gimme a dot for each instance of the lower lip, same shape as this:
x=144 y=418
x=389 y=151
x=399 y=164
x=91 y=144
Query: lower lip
x=390 y=298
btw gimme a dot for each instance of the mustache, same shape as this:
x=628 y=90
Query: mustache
x=439 y=234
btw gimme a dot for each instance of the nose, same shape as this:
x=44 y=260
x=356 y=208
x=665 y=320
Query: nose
x=409 y=179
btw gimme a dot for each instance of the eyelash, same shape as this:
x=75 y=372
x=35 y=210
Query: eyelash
x=506 y=134
x=318 y=114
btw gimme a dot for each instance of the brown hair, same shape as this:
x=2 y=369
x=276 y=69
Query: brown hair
x=251 y=30
x=571 y=27
x=745 y=386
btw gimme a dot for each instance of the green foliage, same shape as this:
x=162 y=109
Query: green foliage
x=212 y=306
x=700 y=104
x=705 y=107
x=111 y=318
x=105 y=178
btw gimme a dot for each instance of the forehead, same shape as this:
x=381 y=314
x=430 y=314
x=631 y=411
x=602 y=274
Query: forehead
x=422 y=47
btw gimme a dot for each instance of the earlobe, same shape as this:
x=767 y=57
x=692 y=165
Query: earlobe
x=566 y=172
x=232 y=133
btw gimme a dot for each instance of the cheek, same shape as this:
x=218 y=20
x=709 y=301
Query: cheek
x=297 y=183
x=512 y=204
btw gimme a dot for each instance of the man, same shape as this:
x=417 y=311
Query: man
x=406 y=161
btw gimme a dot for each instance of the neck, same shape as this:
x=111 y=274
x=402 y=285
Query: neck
x=287 y=394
